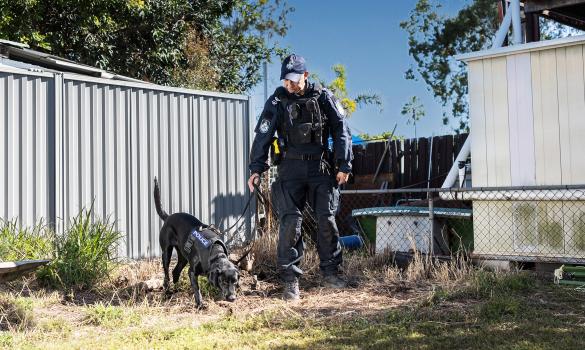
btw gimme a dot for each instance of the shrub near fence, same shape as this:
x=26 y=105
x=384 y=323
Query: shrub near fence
x=81 y=257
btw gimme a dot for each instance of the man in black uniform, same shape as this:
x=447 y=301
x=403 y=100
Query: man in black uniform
x=304 y=115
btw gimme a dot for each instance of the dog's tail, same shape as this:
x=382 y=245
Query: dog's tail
x=163 y=215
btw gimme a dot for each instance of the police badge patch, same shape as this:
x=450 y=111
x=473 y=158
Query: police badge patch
x=264 y=126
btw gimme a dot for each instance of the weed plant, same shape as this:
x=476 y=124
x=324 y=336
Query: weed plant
x=83 y=254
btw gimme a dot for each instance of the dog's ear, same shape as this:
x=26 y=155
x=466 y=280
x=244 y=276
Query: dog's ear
x=214 y=277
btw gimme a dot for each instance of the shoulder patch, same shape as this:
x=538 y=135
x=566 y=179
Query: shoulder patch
x=275 y=100
x=264 y=126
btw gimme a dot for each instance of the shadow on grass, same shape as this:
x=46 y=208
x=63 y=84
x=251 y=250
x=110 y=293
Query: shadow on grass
x=546 y=317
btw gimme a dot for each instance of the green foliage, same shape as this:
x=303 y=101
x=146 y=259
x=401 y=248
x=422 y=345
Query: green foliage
x=193 y=43
x=433 y=39
x=83 y=254
x=380 y=137
x=24 y=243
x=338 y=86
x=413 y=110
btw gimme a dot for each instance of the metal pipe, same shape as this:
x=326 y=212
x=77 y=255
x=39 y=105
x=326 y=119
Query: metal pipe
x=514 y=8
x=462 y=156
x=502 y=31
x=431 y=222
x=430 y=162
x=471 y=189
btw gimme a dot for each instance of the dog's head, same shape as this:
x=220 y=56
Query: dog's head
x=225 y=277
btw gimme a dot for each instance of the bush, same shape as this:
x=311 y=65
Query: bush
x=24 y=243
x=83 y=255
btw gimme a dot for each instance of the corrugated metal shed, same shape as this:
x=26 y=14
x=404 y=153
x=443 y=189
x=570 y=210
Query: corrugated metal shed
x=68 y=140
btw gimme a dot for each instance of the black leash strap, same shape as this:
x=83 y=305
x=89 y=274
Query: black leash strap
x=261 y=199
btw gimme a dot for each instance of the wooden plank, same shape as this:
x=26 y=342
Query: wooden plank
x=563 y=115
x=401 y=164
x=526 y=120
x=394 y=163
x=501 y=136
x=535 y=63
x=513 y=115
x=550 y=143
x=531 y=6
x=407 y=162
x=435 y=160
x=414 y=176
x=576 y=104
x=447 y=157
x=521 y=134
x=10 y=270
x=489 y=122
x=477 y=123
x=423 y=159
x=369 y=158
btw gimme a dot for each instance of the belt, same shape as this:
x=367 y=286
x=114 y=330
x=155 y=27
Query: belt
x=297 y=156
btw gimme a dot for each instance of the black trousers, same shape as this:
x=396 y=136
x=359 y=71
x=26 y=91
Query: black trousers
x=300 y=182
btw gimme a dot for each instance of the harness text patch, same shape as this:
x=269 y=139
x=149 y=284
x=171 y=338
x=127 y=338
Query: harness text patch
x=201 y=239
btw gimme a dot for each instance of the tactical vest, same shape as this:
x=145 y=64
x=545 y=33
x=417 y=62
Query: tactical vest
x=304 y=122
x=203 y=241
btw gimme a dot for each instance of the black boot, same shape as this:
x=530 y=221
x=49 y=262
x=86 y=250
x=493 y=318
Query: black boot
x=333 y=281
x=291 y=290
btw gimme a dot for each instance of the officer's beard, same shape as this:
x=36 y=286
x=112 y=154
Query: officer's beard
x=301 y=92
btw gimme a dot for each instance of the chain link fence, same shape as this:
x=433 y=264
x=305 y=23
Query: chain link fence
x=537 y=223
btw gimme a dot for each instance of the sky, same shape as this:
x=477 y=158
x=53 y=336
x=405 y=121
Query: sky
x=365 y=36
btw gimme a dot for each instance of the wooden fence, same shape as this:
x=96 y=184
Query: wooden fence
x=406 y=164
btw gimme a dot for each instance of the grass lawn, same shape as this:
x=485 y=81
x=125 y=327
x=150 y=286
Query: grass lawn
x=481 y=310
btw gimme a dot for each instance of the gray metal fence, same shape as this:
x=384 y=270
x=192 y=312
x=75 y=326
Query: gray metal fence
x=67 y=141
x=533 y=224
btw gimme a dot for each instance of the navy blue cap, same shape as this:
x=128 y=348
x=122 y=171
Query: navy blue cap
x=293 y=67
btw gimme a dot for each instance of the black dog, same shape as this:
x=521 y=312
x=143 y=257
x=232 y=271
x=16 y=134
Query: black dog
x=198 y=245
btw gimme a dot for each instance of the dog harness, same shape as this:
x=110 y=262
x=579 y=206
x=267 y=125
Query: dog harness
x=203 y=240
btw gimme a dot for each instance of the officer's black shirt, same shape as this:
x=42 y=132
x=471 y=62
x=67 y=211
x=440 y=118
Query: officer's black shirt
x=274 y=115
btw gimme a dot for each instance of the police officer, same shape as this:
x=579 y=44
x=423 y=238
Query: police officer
x=304 y=115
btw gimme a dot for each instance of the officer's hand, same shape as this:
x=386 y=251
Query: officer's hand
x=254 y=178
x=342 y=177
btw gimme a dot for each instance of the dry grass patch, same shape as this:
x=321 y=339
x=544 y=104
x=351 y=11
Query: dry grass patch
x=16 y=314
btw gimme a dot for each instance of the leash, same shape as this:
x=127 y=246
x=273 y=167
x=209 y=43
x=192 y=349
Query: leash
x=261 y=199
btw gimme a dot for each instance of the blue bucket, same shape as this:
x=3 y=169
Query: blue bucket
x=351 y=242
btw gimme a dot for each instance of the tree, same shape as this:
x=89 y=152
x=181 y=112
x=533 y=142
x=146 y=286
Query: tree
x=434 y=39
x=413 y=110
x=338 y=87
x=202 y=44
x=380 y=137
